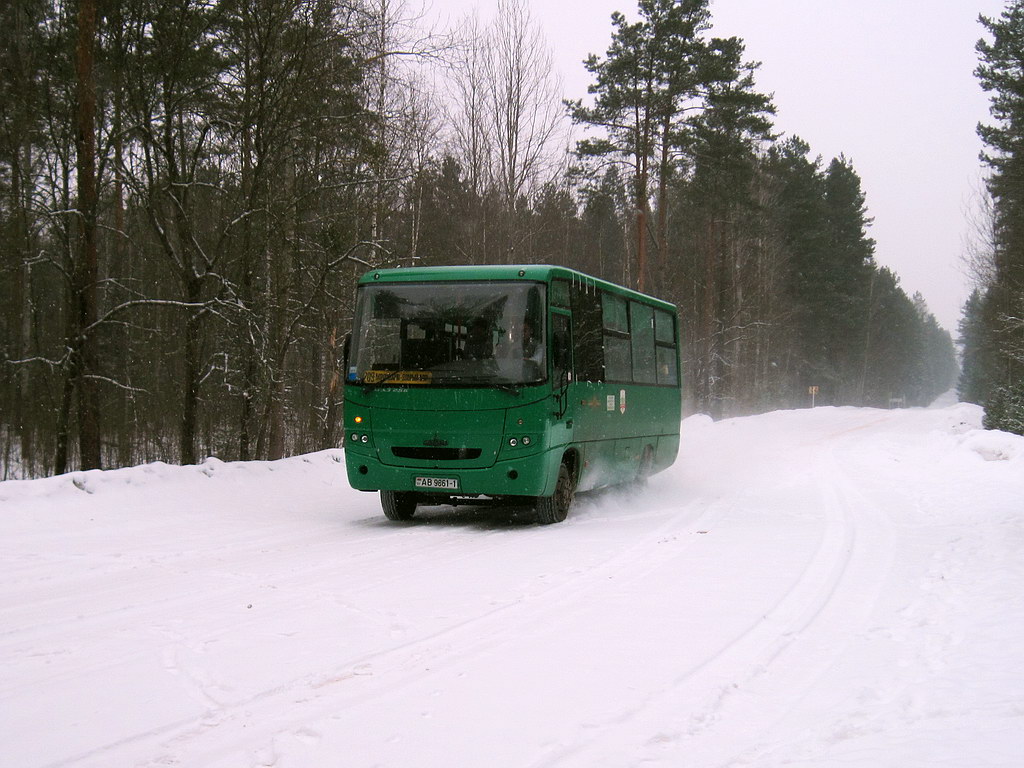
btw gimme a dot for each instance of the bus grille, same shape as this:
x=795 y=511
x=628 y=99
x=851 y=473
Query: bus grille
x=437 y=454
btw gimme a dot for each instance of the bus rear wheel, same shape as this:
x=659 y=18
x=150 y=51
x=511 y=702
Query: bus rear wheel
x=397 y=505
x=555 y=508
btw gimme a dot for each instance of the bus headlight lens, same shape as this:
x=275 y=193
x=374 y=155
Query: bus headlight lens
x=526 y=441
x=513 y=442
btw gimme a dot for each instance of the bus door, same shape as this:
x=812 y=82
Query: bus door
x=561 y=378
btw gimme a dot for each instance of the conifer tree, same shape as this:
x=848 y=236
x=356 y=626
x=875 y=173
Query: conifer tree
x=1000 y=74
x=975 y=384
x=651 y=82
x=721 y=145
x=847 y=273
x=604 y=231
x=799 y=217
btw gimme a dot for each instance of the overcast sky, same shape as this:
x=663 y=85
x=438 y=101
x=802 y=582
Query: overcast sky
x=890 y=85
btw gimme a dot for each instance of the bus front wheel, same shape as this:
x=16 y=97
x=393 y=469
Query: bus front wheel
x=397 y=505
x=555 y=508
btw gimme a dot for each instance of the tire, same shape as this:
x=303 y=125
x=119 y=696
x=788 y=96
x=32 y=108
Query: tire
x=555 y=508
x=397 y=505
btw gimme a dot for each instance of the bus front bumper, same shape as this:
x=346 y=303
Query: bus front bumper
x=533 y=475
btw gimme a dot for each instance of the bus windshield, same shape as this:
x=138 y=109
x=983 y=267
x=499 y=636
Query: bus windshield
x=464 y=334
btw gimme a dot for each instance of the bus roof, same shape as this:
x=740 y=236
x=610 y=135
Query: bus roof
x=498 y=272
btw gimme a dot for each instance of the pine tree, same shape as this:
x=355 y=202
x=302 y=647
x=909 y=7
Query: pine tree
x=648 y=87
x=846 y=273
x=22 y=65
x=721 y=146
x=975 y=381
x=799 y=215
x=1000 y=74
x=604 y=232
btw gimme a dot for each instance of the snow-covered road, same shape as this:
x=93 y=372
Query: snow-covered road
x=827 y=587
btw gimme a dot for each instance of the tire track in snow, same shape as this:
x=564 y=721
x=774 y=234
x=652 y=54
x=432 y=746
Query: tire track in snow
x=316 y=695
x=476 y=635
x=803 y=631
x=458 y=643
x=803 y=656
x=155 y=592
x=153 y=603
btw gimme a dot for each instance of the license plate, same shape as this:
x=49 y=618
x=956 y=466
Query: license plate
x=442 y=483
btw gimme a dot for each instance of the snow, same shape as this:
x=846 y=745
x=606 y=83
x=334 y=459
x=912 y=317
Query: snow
x=822 y=587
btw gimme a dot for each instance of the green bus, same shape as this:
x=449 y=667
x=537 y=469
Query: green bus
x=514 y=384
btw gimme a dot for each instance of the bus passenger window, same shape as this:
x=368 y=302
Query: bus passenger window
x=618 y=364
x=667 y=373
x=586 y=313
x=665 y=339
x=641 y=321
x=614 y=308
x=664 y=327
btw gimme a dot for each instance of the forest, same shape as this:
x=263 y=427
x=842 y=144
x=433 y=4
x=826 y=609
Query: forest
x=189 y=190
x=992 y=326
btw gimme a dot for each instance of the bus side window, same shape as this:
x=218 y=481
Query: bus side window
x=618 y=360
x=561 y=350
x=665 y=343
x=641 y=322
x=587 y=326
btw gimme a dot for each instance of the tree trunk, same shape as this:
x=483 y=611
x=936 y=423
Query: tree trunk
x=327 y=437
x=86 y=271
x=642 y=185
x=662 y=228
x=193 y=363
x=60 y=459
x=275 y=419
x=641 y=246
x=19 y=239
x=711 y=322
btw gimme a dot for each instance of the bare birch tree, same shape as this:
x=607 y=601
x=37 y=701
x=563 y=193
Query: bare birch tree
x=525 y=108
x=396 y=42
